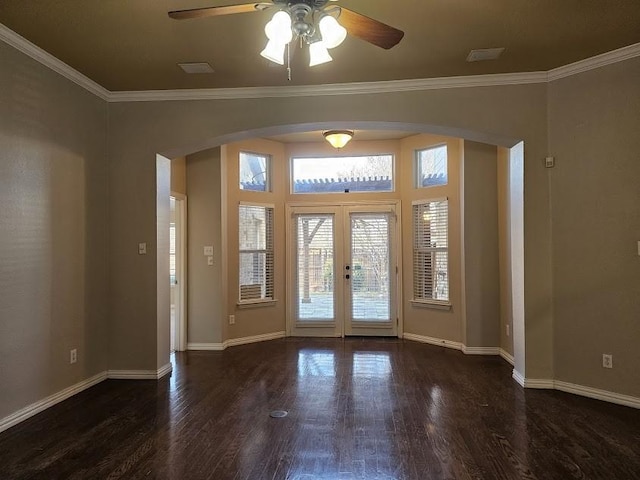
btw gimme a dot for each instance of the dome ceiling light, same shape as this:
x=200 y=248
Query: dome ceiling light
x=338 y=138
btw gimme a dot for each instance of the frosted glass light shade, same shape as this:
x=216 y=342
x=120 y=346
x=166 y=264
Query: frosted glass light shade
x=279 y=28
x=318 y=54
x=333 y=34
x=274 y=51
x=338 y=138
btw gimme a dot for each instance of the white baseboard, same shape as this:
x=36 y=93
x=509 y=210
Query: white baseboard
x=507 y=356
x=215 y=347
x=583 y=391
x=433 y=341
x=480 y=350
x=37 y=407
x=539 y=383
x=165 y=370
x=140 y=374
x=460 y=346
x=518 y=377
x=256 y=338
x=597 y=394
x=235 y=341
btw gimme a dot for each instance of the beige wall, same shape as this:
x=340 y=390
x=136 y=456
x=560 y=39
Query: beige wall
x=421 y=320
x=482 y=324
x=481 y=246
x=594 y=119
x=269 y=318
x=55 y=183
x=53 y=232
x=205 y=302
x=179 y=175
x=139 y=130
x=205 y=203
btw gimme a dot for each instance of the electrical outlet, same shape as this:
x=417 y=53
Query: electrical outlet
x=73 y=356
x=508 y=330
x=607 y=360
x=232 y=319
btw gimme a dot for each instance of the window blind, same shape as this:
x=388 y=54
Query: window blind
x=430 y=250
x=256 y=252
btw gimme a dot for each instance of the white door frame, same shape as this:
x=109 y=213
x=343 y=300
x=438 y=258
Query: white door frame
x=290 y=274
x=181 y=271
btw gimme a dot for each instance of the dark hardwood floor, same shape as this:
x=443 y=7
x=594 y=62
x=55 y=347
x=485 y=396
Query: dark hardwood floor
x=358 y=409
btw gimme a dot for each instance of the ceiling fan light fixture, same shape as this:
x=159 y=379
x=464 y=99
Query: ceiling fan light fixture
x=333 y=34
x=318 y=54
x=278 y=28
x=338 y=138
x=274 y=51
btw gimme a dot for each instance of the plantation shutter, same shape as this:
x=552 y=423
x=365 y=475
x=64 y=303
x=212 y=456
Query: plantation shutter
x=256 y=262
x=430 y=250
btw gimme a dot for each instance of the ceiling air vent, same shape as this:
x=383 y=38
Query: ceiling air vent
x=200 y=67
x=482 y=54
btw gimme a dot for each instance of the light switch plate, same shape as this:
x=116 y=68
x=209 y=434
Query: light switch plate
x=142 y=248
x=208 y=250
x=209 y=260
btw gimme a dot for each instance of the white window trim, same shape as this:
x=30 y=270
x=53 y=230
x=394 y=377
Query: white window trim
x=267 y=174
x=416 y=165
x=433 y=304
x=256 y=303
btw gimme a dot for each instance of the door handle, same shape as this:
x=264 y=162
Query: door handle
x=347 y=276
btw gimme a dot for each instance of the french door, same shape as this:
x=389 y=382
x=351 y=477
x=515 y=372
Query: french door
x=343 y=270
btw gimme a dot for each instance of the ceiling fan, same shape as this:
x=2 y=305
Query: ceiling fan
x=314 y=22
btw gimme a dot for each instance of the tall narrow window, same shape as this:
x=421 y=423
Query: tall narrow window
x=431 y=167
x=430 y=251
x=256 y=253
x=254 y=172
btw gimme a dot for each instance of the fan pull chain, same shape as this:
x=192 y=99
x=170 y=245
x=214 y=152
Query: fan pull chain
x=289 y=61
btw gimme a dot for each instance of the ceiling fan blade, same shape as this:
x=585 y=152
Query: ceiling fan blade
x=214 y=11
x=370 y=30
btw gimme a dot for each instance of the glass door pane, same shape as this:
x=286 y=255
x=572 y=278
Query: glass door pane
x=370 y=268
x=314 y=256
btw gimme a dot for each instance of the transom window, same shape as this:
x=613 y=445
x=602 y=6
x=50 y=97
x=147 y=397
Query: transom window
x=430 y=251
x=254 y=172
x=370 y=173
x=431 y=167
x=256 y=253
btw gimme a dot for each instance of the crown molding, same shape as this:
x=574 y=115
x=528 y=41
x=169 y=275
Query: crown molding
x=20 y=43
x=602 y=60
x=356 y=88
